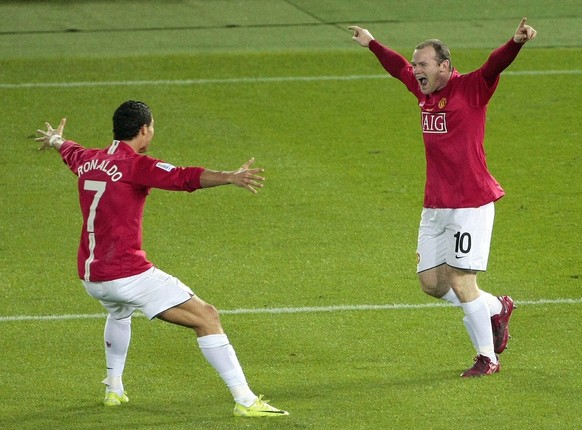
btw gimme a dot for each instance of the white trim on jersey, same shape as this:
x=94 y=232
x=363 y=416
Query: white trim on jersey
x=91 y=257
x=113 y=147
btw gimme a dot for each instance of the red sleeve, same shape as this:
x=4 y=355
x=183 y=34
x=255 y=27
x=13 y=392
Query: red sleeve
x=153 y=173
x=392 y=61
x=72 y=154
x=395 y=64
x=499 y=60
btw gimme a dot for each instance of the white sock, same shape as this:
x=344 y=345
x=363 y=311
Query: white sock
x=471 y=332
x=452 y=298
x=477 y=314
x=222 y=357
x=117 y=336
x=493 y=302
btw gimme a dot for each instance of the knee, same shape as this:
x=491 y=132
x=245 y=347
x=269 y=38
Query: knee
x=210 y=319
x=210 y=312
x=429 y=284
x=429 y=288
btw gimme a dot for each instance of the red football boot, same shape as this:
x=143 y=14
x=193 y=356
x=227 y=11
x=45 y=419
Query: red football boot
x=500 y=324
x=482 y=366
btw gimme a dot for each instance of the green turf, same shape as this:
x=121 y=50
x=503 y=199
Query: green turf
x=335 y=224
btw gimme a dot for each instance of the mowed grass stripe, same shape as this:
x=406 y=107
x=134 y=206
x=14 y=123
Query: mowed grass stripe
x=306 y=309
x=256 y=80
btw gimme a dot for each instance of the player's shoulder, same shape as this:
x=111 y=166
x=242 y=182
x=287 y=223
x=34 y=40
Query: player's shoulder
x=146 y=163
x=473 y=75
x=74 y=150
x=467 y=81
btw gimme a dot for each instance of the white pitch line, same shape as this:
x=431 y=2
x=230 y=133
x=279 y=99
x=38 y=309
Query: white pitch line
x=306 y=309
x=259 y=80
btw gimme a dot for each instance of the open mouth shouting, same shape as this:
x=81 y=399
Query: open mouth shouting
x=423 y=81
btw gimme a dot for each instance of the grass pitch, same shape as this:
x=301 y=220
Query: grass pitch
x=331 y=235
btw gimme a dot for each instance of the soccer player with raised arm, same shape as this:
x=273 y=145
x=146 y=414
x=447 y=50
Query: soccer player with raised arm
x=457 y=217
x=113 y=185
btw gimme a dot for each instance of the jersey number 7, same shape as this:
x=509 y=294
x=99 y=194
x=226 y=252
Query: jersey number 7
x=99 y=188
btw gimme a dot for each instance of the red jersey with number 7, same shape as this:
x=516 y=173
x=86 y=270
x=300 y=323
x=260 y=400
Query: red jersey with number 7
x=113 y=185
x=453 y=126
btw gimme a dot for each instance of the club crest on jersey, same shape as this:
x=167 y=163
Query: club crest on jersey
x=434 y=122
x=165 y=166
x=442 y=103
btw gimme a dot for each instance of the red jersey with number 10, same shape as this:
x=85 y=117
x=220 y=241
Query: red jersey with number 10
x=113 y=185
x=453 y=127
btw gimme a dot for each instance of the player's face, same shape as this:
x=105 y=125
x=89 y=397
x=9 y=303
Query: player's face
x=431 y=75
x=148 y=135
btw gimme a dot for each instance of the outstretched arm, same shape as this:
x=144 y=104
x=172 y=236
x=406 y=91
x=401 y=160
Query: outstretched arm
x=524 y=32
x=51 y=138
x=393 y=62
x=361 y=35
x=503 y=56
x=245 y=177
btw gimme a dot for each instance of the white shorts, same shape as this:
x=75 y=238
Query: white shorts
x=460 y=238
x=152 y=292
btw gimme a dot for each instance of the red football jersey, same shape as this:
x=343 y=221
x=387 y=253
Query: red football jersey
x=113 y=185
x=453 y=127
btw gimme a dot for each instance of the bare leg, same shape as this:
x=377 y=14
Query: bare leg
x=439 y=281
x=434 y=282
x=203 y=318
x=196 y=314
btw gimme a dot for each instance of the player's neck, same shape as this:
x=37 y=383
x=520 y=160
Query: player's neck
x=139 y=145
x=444 y=81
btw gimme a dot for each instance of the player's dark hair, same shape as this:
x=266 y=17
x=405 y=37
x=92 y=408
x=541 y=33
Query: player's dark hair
x=129 y=118
x=442 y=50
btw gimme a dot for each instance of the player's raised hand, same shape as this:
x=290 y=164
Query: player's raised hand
x=524 y=32
x=246 y=177
x=51 y=135
x=361 y=35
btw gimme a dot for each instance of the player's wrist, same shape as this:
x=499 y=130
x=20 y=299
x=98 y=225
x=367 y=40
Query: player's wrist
x=55 y=141
x=231 y=177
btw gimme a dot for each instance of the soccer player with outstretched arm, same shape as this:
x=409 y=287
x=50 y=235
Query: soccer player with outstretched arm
x=113 y=185
x=457 y=217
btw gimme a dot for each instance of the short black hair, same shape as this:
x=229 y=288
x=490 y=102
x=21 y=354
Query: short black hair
x=129 y=118
x=442 y=51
